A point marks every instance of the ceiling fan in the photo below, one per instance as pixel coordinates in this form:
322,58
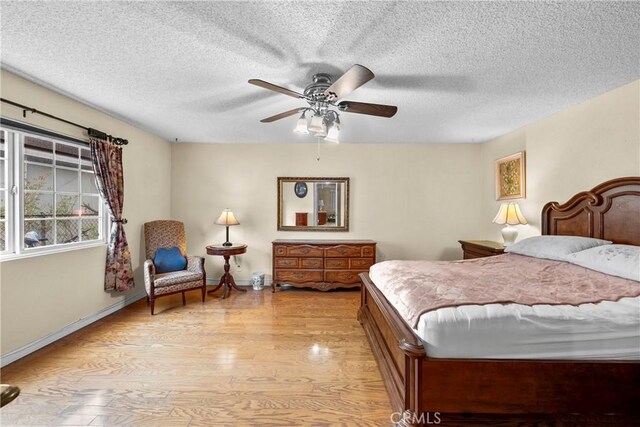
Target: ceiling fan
323,95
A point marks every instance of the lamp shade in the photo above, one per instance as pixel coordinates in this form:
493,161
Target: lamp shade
333,134
509,213
227,218
321,134
301,126
317,125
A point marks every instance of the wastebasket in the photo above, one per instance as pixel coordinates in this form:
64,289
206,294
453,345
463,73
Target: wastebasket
257,281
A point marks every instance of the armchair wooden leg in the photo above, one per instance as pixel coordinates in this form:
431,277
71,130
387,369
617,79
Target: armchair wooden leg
153,302
184,301
204,292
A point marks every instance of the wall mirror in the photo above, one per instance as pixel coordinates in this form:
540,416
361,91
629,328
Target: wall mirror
313,204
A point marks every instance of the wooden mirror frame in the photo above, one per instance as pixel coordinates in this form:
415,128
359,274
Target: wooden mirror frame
309,180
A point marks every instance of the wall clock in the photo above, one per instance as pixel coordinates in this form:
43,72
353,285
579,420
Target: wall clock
300,189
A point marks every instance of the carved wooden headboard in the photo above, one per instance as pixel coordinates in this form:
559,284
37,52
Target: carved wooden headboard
610,211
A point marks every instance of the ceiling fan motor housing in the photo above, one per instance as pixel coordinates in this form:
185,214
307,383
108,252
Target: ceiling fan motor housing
315,91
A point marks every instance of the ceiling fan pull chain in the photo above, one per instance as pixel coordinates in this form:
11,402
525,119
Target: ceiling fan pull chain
318,139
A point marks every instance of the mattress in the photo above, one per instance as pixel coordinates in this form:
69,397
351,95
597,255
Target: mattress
604,331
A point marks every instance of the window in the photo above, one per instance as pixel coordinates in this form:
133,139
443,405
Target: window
48,195
4,194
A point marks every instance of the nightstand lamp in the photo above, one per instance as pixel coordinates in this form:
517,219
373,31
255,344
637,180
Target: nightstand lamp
226,218
510,215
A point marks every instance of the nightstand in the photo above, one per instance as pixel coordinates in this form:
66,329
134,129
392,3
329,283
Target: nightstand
481,248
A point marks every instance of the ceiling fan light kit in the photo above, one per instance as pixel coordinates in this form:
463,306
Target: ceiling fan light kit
323,120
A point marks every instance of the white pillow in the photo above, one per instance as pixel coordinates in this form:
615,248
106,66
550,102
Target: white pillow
554,247
617,260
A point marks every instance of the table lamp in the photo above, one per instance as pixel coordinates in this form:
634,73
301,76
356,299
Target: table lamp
509,214
226,218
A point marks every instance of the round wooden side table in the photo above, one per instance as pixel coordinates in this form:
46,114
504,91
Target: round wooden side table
227,279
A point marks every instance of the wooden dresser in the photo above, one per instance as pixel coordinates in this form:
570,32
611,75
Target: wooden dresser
321,264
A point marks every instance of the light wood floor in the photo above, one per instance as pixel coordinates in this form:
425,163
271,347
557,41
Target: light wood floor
296,357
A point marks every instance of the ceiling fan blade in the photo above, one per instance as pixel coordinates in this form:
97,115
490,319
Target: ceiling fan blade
355,77
281,115
379,110
275,88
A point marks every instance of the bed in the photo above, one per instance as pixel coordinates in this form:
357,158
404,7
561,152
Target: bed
464,391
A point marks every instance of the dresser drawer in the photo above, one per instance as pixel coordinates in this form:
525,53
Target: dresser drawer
346,277
468,254
360,263
304,250
343,251
279,250
287,262
369,250
311,263
336,263
299,276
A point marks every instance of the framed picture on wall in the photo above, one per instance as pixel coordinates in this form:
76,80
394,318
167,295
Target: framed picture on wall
511,177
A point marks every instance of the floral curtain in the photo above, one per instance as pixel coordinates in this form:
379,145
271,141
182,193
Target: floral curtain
107,165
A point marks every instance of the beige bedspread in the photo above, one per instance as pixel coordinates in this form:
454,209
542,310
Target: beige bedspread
416,287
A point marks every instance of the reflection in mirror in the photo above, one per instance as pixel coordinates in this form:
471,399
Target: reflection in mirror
313,204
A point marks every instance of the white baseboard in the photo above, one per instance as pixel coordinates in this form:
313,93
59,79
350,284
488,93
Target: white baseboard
75,326
239,282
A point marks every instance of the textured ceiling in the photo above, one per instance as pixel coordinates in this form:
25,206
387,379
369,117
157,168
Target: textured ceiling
458,71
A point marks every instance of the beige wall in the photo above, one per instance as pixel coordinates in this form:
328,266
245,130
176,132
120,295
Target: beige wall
568,152
416,200
43,294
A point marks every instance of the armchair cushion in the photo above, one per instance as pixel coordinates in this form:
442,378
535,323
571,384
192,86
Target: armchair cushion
178,277
167,260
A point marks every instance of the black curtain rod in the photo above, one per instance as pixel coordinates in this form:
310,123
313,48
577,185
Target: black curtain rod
92,132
